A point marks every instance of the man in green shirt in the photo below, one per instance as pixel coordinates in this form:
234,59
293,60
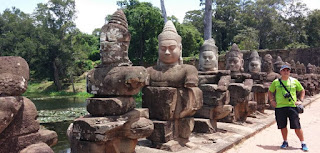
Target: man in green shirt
285,105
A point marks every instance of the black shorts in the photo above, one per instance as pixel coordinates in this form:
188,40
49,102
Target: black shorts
282,115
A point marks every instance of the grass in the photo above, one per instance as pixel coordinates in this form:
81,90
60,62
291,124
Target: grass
48,89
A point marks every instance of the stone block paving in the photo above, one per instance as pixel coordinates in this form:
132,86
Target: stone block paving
258,134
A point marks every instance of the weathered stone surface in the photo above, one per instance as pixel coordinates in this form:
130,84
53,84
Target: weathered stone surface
110,106
144,112
185,128
177,103
160,107
48,137
177,76
79,146
215,113
24,121
114,41
238,92
14,65
140,129
191,101
12,85
214,95
14,76
9,107
208,59
259,88
255,62
262,101
213,77
172,146
37,148
102,128
125,80
203,126
241,111
16,143
163,131
252,107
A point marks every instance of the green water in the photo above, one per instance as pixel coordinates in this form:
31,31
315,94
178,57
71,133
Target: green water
58,111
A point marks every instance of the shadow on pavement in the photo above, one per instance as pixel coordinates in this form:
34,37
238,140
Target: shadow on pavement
276,148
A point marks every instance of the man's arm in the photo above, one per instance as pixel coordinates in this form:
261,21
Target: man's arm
302,94
272,100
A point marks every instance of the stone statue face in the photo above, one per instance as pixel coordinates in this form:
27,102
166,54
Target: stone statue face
255,66
208,61
310,69
234,64
169,51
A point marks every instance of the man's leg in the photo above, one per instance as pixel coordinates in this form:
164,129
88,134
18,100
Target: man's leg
284,132
299,133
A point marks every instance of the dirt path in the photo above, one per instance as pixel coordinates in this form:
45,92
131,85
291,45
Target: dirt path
270,139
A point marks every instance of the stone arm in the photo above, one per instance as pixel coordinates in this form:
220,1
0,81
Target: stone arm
191,79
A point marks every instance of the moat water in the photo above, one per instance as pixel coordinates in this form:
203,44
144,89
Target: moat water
55,106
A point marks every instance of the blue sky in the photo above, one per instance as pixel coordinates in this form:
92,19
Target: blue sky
91,13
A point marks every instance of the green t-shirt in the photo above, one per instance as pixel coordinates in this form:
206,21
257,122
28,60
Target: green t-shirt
292,84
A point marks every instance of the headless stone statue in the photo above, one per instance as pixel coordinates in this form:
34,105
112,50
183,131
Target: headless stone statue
19,129
173,95
114,125
214,84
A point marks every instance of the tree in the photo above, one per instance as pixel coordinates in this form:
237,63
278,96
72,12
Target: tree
195,18
55,21
313,28
207,21
17,36
247,39
145,24
163,10
191,38
225,22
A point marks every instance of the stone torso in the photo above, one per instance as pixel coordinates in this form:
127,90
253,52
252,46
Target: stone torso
177,76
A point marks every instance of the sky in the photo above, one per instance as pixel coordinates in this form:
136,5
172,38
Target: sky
91,13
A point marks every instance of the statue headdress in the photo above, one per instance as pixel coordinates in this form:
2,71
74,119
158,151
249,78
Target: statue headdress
234,52
255,56
209,45
169,32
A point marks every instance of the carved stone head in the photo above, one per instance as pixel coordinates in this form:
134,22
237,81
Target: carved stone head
234,59
267,65
208,60
278,64
293,66
255,62
310,68
115,41
170,47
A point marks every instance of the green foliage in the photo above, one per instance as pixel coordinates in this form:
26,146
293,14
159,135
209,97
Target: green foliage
225,23
296,45
145,23
195,18
247,39
313,28
191,38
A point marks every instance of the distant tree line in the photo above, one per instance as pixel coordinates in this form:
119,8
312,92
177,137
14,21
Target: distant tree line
56,50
